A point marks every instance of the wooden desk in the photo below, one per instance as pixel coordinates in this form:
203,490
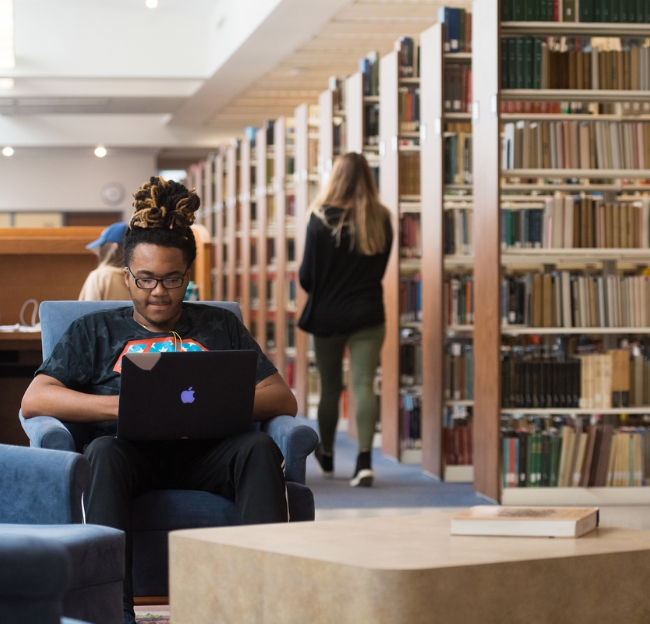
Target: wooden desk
20,356
405,570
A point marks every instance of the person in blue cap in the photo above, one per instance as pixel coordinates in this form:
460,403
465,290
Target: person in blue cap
107,280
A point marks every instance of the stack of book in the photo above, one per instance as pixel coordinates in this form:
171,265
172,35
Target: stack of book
409,170
458,88
459,371
459,231
458,446
409,109
369,68
411,419
575,11
458,154
410,299
410,236
459,300
408,57
410,360
458,31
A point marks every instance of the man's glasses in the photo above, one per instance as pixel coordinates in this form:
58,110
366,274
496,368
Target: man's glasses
149,283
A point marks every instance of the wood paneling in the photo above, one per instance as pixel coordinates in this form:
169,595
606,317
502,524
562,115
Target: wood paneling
279,179
231,220
262,224
389,192
354,113
431,180
487,335
301,167
245,220
325,136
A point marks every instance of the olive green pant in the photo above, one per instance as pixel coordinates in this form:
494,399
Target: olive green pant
365,346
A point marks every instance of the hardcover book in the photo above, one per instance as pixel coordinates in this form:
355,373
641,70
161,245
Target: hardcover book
525,521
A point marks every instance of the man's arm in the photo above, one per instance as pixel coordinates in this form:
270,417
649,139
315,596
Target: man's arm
47,396
273,398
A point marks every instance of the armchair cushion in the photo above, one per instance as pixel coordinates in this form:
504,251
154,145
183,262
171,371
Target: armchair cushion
95,553
41,487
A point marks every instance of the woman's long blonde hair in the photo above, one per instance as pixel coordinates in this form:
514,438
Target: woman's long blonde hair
352,187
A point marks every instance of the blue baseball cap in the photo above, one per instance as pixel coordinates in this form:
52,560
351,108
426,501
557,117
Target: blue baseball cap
112,234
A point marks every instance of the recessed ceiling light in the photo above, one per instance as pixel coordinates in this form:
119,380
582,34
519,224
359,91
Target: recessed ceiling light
151,4
100,151
297,71
8,151
6,83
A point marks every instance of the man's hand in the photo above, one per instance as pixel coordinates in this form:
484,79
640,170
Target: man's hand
273,398
47,396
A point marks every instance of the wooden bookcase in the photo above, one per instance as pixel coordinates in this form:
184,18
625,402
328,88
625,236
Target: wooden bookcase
491,263
230,223
399,203
244,229
436,335
218,230
279,191
261,232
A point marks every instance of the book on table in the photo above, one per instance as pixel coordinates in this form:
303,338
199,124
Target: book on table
525,521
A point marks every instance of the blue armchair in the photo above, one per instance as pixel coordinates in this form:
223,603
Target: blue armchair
156,513
50,563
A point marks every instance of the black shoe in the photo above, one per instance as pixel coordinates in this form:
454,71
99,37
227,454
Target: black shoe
325,462
129,617
363,475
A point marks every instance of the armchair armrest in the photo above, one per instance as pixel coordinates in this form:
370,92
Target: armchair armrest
47,432
40,486
296,441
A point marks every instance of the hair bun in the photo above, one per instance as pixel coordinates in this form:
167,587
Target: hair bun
166,204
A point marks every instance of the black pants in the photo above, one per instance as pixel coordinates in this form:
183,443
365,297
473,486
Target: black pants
248,469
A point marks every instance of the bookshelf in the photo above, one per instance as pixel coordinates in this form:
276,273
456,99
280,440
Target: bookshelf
282,144
508,356
261,241
230,223
218,226
443,99
398,155
306,185
244,229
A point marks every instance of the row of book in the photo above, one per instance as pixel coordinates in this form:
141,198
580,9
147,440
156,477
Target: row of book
540,384
410,236
458,29
411,420
621,11
458,158
409,108
408,171
369,69
574,63
458,231
576,145
408,57
410,299
457,97
562,299
459,300
371,124
457,443
578,221
459,371
600,456
410,359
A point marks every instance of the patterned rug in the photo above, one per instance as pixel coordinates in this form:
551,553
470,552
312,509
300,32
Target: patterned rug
151,618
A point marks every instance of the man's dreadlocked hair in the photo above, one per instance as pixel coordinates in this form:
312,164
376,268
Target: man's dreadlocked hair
164,212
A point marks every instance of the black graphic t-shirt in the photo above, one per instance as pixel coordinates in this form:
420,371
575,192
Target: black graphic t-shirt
88,357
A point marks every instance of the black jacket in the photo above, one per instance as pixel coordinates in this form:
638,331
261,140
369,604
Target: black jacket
345,291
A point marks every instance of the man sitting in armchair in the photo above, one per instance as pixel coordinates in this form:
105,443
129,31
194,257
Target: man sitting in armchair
80,382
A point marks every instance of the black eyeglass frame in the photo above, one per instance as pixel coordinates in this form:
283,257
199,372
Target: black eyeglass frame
158,281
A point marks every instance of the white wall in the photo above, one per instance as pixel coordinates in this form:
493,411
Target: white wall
70,179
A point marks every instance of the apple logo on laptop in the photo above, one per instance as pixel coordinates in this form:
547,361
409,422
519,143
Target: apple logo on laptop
187,396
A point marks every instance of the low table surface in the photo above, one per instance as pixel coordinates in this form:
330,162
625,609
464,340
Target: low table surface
414,542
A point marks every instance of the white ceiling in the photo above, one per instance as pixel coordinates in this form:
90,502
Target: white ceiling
188,73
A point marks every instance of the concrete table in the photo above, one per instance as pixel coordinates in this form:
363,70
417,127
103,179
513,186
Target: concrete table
405,570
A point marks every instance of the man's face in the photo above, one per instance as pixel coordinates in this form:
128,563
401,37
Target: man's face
157,309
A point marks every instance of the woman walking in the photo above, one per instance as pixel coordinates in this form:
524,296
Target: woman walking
349,237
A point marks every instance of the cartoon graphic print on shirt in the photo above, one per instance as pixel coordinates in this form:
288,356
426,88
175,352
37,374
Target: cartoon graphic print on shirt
157,345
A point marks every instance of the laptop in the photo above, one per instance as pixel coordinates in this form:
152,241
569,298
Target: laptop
186,396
